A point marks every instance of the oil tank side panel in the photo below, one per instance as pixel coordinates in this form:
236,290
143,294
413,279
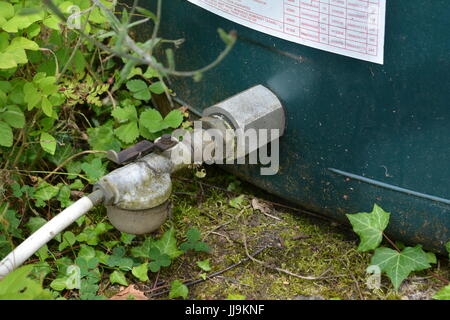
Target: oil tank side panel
389,123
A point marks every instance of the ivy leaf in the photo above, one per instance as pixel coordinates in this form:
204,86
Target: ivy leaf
204,265
141,272
64,197
118,277
159,259
6,134
398,265
143,250
48,143
69,240
168,244
94,169
237,202
35,223
370,227
91,234
139,89
443,294
178,289
193,242
118,259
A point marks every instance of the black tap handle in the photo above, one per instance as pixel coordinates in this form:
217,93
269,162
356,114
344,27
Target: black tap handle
136,151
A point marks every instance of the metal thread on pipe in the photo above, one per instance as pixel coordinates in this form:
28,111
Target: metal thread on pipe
47,232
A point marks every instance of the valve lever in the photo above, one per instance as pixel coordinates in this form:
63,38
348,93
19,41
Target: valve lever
136,151
141,149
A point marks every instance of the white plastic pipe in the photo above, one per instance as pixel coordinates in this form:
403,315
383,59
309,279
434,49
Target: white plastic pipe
44,234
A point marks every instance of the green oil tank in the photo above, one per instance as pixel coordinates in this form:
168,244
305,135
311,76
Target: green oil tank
364,124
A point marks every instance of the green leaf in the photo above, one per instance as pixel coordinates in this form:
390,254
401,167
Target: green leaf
370,227
193,242
127,238
48,143
398,265
94,169
173,119
45,192
19,55
118,277
178,289
6,10
431,258
43,253
64,197
59,284
17,286
204,265
127,113
139,89
157,87
168,244
152,120
128,133
86,252
118,259
159,259
237,202
141,272
19,21
7,60
35,223
69,240
31,95
102,138
6,135
443,294
14,117
22,43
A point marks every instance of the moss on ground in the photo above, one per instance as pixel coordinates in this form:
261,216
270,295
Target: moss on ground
293,241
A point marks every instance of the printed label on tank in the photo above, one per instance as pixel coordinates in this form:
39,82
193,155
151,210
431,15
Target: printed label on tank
354,28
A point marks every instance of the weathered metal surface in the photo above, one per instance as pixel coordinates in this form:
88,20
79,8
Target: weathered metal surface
388,123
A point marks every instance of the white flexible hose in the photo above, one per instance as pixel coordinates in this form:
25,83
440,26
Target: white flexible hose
43,235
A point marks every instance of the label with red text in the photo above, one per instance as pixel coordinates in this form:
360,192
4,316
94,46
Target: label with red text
353,28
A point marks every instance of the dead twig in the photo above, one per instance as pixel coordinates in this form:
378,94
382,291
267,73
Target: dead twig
209,277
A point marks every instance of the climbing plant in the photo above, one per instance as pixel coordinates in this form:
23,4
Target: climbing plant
74,83
397,262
